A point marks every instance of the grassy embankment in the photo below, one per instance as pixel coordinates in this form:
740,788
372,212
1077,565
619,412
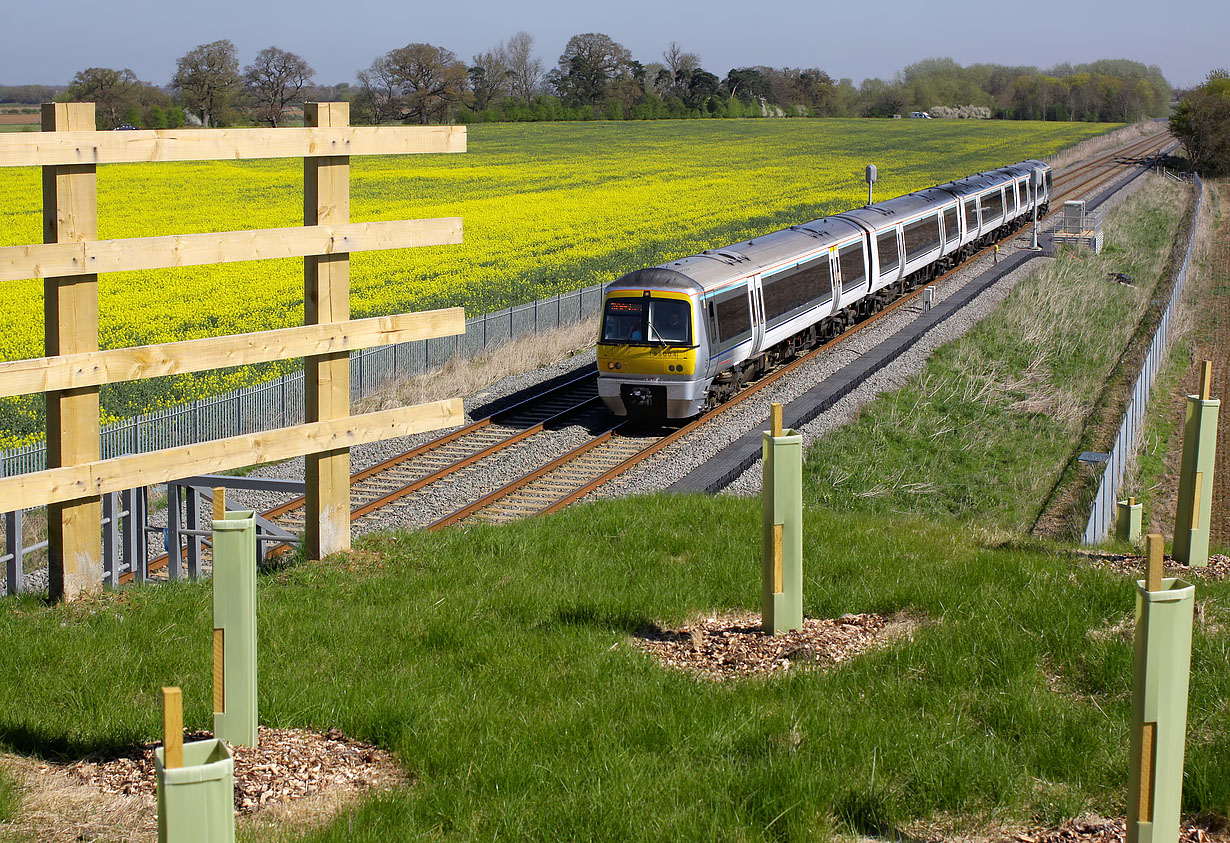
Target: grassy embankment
992,425
1162,435
497,663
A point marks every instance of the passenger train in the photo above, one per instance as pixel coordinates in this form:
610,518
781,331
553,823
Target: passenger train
681,338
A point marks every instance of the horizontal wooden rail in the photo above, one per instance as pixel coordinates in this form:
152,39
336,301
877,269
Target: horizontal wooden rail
57,485
43,260
72,371
40,149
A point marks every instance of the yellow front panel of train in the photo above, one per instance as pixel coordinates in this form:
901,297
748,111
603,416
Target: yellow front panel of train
632,357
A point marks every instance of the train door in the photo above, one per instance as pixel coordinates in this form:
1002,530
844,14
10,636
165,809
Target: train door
755,292
888,254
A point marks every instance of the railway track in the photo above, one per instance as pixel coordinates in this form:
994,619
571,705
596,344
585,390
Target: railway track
408,481
619,449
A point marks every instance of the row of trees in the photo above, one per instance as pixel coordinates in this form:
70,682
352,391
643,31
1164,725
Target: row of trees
597,77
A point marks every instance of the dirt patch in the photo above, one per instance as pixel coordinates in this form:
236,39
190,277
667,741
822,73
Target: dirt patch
20,119
733,645
1097,829
296,777
1133,565
1090,828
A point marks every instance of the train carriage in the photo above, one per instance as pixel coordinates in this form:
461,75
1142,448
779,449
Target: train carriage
679,338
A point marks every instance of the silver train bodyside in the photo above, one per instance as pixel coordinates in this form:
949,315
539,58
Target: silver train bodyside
756,303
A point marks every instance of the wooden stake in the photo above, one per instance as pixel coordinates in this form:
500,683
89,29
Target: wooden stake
219,503
1131,501
219,671
1154,562
777,558
172,728
70,314
1206,379
326,201
775,419
1196,490
1148,752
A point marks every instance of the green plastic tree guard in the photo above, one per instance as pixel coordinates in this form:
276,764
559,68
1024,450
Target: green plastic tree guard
1163,649
196,802
235,628
1195,505
1128,522
782,500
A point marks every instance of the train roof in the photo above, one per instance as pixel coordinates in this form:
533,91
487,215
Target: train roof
716,267
892,211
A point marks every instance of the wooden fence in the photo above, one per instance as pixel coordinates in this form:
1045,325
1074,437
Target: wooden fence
69,151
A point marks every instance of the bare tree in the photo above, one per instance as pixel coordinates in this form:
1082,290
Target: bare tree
379,89
677,60
207,77
681,65
274,79
489,77
524,69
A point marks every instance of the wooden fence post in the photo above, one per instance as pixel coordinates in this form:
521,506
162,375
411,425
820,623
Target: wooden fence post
70,307
326,201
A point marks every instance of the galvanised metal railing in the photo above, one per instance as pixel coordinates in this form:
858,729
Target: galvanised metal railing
1128,437
279,402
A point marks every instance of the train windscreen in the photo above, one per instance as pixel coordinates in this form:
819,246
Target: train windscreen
647,321
670,322
624,320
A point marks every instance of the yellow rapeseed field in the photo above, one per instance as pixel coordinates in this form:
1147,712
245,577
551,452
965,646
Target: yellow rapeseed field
547,207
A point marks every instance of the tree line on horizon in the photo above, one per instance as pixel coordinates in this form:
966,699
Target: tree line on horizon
595,78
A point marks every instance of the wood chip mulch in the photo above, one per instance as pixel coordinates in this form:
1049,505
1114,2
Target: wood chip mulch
1102,830
288,764
732,644
1134,566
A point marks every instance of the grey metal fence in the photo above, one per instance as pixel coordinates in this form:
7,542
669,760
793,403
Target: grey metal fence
1104,504
279,402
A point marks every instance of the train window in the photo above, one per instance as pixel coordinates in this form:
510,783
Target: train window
623,320
951,229
886,248
1010,196
992,206
1048,182
734,319
803,286
921,236
853,267
670,321
1024,194
971,215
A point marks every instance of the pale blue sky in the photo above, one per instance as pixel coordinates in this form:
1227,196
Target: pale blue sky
1186,38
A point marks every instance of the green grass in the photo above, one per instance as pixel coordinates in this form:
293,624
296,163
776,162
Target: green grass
496,664
991,423
20,127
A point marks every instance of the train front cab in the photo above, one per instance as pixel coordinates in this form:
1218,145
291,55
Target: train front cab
648,349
